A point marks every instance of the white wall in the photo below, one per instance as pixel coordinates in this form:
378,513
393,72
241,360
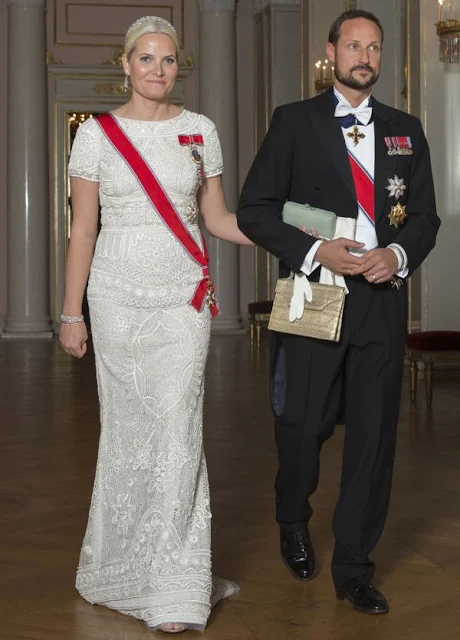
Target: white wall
320,16
391,15
441,118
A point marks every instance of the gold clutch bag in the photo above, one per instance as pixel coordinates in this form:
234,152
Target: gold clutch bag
322,317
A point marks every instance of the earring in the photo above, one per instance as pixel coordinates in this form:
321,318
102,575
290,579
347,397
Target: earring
126,84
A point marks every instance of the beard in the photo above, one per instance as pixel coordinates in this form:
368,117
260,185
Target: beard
348,80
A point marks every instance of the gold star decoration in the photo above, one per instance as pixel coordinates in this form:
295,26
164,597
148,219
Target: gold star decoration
397,215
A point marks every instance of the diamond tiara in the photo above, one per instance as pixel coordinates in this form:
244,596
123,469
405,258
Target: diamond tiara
161,24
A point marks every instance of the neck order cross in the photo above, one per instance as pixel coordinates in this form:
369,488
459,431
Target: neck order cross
356,135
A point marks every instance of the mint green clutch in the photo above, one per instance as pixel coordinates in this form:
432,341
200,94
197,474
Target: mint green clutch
323,221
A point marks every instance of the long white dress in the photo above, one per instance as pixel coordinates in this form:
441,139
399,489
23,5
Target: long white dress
146,551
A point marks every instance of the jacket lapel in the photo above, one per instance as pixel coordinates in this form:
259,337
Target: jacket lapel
330,134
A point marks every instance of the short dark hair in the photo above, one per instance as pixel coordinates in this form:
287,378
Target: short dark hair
334,32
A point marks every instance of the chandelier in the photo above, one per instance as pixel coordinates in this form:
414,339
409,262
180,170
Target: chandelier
448,28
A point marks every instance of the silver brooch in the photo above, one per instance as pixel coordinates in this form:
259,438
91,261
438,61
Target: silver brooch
396,187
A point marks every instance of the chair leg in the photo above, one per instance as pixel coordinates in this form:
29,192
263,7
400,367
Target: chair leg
429,383
413,380
251,332
258,333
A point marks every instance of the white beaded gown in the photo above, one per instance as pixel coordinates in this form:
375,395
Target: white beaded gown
146,551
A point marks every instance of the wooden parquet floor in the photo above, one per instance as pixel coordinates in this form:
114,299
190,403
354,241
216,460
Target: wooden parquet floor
48,446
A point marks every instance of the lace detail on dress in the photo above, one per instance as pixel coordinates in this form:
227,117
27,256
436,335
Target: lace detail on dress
143,267
123,201
85,157
146,551
147,546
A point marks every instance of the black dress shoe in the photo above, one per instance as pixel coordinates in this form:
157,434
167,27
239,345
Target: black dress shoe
363,596
298,554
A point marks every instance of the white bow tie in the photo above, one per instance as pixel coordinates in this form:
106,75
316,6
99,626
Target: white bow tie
363,114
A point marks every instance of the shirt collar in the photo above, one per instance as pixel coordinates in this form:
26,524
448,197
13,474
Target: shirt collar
341,99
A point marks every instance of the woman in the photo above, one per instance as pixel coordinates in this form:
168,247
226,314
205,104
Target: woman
146,550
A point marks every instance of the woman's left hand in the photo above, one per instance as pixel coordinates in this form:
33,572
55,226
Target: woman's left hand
310,230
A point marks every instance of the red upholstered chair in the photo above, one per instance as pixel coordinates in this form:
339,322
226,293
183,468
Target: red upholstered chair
430,347
259,315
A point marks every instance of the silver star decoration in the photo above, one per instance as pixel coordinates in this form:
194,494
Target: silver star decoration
396,187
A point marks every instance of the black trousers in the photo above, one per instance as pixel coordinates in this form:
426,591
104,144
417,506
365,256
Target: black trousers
311,380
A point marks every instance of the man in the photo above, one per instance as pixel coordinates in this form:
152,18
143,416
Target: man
345,152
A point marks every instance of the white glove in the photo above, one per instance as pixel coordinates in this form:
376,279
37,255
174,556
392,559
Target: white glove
301,292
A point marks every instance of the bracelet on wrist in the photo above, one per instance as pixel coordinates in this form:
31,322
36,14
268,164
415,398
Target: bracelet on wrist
72,319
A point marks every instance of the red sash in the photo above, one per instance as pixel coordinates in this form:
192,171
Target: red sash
364,186
204,293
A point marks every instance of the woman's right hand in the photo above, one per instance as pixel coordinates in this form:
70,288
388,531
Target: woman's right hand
73,337
310,230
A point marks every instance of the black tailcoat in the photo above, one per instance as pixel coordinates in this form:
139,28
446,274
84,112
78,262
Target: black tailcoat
304,159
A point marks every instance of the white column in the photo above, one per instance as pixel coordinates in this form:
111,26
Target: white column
28,216
218,101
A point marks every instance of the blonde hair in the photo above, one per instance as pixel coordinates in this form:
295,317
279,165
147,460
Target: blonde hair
149,24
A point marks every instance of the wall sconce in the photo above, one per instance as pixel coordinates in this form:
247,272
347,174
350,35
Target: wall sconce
324,75
448,28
